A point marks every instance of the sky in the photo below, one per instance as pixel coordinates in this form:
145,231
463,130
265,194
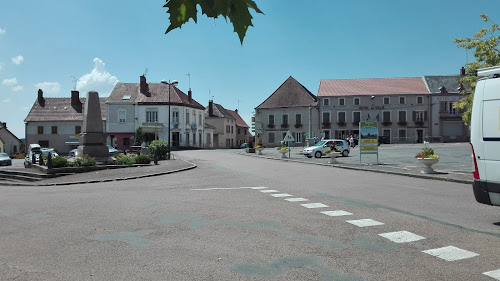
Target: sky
57,45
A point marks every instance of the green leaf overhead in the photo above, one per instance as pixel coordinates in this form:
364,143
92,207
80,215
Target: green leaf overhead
237,11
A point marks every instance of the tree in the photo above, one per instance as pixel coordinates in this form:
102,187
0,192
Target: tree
236,10
485,44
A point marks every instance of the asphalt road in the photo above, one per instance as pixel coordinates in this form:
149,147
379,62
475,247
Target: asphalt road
216,223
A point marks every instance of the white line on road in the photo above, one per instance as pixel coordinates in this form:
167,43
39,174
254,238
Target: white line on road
493,274
336,213
268,191
450,253
314,205
364,222
402,236
409,186
281,195
221,188
296,199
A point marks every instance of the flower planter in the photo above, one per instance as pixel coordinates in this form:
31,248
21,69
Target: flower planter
333,157
428,162
259,150
283,152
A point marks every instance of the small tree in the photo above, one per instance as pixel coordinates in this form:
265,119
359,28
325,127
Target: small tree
139,136
485,44
162,147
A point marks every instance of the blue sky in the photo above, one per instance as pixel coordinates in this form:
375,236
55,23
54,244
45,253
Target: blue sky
44,44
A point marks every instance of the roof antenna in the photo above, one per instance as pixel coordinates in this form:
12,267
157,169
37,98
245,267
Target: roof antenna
189,76
74,81
145,72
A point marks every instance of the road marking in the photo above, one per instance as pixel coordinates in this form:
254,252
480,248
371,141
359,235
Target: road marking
268,191
281,195
402,236
409,186
258,187
450,253
493,274
296,199
315,205
220,188
336,213
364,222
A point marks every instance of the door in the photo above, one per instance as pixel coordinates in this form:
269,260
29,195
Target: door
175,139
420,136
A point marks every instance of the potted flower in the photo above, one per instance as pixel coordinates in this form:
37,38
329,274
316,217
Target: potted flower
427,158
283,150
259,148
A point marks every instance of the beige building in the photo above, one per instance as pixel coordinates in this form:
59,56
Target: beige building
242,129
292,107
9,143
399,105
224,124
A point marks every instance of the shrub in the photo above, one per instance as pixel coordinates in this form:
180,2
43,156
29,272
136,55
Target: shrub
142,159
85,161
59,162
122,159
162,147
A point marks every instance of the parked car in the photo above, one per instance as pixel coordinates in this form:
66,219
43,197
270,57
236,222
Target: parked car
45,152
73,152
5,159
34,150
318,149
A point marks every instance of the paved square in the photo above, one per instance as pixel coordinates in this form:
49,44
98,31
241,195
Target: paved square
450,253
336,213
315,205
493,274
402,236
268,191
281,195
296,199
365,222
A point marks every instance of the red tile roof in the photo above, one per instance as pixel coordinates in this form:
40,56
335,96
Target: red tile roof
60,109
373,86
290,94
239,121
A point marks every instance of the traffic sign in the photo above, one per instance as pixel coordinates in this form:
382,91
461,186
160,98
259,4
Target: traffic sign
288,137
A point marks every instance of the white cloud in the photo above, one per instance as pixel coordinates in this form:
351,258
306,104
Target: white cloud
7,100
9,82
17,60
97,80
49,87
2,31
17,88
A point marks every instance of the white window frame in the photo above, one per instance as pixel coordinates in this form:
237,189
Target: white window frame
151,115
343,101
451,108
359,116
345,116
122,111
420,112
390,116
399,99
406,116
402,130
354,101
298,137
389,100
326,102
298,114
269,119
283,119
175,116
323,117
416,100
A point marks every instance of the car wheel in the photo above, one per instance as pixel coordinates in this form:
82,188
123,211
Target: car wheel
308,156
345,153
317,154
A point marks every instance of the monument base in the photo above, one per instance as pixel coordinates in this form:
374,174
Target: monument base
99,152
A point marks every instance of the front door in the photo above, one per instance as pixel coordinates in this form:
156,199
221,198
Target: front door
420,136
175,139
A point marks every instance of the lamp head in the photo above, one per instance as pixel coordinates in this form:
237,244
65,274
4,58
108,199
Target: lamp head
372,97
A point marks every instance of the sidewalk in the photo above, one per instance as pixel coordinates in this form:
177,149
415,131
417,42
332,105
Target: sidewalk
163,168
454,165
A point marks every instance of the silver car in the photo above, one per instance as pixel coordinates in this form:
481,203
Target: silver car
5,159
318,149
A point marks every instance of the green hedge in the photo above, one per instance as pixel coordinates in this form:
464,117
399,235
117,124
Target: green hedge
142,159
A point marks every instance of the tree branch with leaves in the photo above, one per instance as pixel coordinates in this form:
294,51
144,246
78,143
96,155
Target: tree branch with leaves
237,11
485,44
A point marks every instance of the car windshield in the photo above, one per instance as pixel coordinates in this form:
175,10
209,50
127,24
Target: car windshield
321,143
4,155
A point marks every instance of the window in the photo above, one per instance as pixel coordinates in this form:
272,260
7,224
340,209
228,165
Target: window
54,130
228,129
326,102
271,119
298,137
452,109
126,141
341,101
187,117
341,116
40,130
402,100
151,116
78,130
386,116
284,119
326,117
420,100
239,132
199,119
194,139
387,100
298,119
356,117
187,138
356,101
175,116
232,129
402,116
271,138
419,116
121,116
402,133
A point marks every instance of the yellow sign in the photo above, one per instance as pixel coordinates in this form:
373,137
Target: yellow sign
368,141
369,147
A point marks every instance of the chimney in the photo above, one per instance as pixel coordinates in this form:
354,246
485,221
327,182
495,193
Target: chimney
236,110
4,124
210,108
190,96
462,71
143,85
41,100
75,101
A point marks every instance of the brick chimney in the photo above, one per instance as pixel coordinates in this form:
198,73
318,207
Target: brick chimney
462,71
210,108
144,88
41,100
236,110
190,96
75,101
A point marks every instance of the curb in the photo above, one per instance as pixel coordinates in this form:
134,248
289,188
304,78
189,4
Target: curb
106,180
422,176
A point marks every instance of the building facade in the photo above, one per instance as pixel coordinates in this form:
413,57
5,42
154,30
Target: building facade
9,143
225,132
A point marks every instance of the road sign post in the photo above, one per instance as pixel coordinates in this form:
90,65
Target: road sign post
288,138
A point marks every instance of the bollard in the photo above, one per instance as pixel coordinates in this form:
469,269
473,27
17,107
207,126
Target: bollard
49,161
41,159
155,158
33,158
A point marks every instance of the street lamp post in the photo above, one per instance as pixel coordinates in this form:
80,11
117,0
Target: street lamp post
169,84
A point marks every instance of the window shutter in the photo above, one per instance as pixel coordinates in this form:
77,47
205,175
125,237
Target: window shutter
442,106
414,115
425,115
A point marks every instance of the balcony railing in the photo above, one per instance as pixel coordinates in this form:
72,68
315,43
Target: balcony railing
284,126
270,126
326,124
341,124
298,125
386,123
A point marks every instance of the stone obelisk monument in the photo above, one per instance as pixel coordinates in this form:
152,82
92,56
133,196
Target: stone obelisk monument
92,137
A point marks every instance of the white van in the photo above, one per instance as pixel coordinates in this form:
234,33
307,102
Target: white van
485,136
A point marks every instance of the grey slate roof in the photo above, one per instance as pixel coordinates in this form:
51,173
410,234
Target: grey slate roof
435,82
60,109
218,111
290,94
158,93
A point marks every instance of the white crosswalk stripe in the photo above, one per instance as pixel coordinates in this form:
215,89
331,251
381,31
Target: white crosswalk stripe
315,205
450,253
296,199
493,274
336,213
268,191
402,236
364,222
281,195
